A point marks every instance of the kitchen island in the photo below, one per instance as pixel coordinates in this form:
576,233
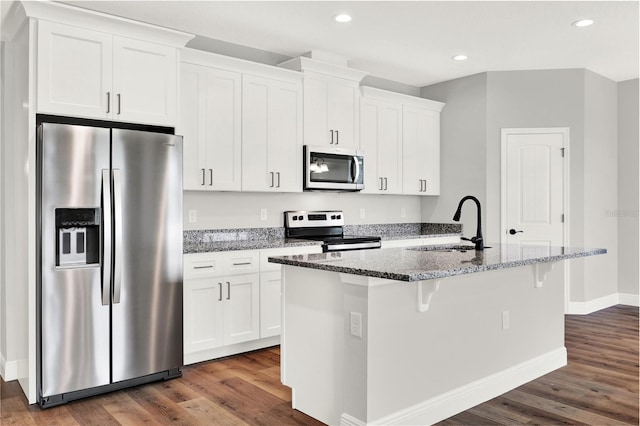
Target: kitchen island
415,335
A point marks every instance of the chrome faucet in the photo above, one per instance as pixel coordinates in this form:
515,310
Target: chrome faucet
477,240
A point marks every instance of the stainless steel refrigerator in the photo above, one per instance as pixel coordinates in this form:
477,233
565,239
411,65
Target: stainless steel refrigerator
109,282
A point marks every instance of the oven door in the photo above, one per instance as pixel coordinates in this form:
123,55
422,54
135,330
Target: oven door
333,169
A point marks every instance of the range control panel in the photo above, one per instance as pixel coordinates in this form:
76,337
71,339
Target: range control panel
313,219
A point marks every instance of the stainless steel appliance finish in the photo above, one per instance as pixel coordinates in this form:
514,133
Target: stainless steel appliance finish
325,226
110,259
333,169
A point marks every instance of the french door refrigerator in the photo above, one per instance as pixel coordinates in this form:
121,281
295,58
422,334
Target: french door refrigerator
109,282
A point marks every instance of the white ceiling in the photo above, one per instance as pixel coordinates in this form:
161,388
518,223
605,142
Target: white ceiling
413,42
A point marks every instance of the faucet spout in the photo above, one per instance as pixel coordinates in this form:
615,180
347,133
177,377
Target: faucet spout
477,240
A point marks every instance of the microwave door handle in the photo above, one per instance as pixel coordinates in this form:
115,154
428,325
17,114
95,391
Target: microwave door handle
355,169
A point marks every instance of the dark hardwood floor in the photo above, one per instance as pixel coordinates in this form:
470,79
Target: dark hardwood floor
598,387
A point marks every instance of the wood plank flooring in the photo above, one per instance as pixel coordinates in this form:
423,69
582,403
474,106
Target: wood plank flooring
598,387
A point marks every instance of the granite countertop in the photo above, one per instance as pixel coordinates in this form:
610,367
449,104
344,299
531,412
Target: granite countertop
425,263
206,241
214,246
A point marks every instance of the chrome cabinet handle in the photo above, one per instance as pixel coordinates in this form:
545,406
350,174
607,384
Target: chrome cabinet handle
106,236
203,267
380,188
203,172
278,179
220,289
331,137
118,96
385,184
271,185
108,102
210,177
228,290
337,137
242,264
117,224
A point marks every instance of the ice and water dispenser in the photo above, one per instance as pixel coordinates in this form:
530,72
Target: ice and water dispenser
77,237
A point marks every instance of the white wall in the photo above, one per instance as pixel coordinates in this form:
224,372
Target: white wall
628,187
600,185
462,150
220,210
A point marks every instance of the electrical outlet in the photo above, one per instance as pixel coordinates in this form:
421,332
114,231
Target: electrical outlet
362,213
505,320
193,216
355,324
263,214
403,212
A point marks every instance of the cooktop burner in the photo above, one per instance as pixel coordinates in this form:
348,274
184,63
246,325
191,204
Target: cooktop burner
326,226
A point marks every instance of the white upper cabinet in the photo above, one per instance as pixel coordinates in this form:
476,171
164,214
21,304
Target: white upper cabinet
381,142
400,137
331,102
93,65
421,151
210,123
145,82
271,135
331,111
75,68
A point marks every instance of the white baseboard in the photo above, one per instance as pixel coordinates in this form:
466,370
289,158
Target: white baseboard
590,306
629,299
8,369
470,395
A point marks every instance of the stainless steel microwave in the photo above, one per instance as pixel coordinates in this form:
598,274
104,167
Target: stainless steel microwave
333,169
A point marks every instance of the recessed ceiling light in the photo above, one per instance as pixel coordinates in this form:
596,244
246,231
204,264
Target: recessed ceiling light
460,58
583,23
342,18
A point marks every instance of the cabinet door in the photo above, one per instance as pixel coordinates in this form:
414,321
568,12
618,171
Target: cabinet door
421,151
74,71
316,108
343,114
270,303
241,308
369,112
271,135
381,142
144,82
203,314
390,147
285,135
192,126
223,130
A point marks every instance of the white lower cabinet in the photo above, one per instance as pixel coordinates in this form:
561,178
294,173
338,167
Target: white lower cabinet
221,300
232,301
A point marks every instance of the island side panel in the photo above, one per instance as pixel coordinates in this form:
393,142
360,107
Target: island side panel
414,358
312,352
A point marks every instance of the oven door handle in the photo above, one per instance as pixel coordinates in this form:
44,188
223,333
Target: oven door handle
355,169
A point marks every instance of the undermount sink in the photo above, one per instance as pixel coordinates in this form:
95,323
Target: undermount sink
447,249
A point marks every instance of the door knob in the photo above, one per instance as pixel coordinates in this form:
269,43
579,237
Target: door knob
513,231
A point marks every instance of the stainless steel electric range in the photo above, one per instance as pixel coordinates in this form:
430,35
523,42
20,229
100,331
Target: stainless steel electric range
325,226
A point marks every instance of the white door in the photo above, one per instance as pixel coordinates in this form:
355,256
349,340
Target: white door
343,113
270,303
533,186
203,314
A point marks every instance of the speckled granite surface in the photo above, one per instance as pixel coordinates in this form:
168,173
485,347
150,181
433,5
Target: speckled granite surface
406,264
213,240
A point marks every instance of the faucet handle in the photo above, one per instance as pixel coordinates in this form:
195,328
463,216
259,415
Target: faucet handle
472,239
466,239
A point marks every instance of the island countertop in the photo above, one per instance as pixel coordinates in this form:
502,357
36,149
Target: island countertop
432,262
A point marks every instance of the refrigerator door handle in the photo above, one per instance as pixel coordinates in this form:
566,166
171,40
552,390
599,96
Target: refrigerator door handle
106,236
117,225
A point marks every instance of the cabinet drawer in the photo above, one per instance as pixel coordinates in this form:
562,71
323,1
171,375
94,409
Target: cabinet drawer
203,265
241,262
